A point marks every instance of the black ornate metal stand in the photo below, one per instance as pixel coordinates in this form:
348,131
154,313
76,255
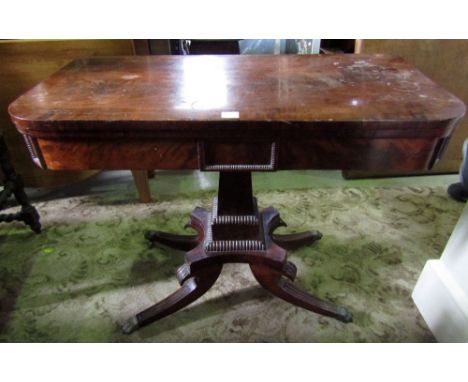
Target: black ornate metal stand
13,185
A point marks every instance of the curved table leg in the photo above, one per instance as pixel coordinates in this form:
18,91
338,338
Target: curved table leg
191,289
182,242
282,287
296,240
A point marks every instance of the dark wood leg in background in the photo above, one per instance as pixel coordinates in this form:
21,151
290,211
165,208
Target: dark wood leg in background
235,231
140,178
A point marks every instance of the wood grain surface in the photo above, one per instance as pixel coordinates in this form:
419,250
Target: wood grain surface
320,111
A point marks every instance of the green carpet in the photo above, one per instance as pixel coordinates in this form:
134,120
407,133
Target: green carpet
91,269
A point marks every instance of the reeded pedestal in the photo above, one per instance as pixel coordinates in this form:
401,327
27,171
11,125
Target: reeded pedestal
234,231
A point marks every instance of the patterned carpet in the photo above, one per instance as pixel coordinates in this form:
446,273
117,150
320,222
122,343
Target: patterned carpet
91,269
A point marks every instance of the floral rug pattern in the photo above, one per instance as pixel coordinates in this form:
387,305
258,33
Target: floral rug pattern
91,269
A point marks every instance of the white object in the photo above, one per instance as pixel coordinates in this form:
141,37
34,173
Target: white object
230,114
441,293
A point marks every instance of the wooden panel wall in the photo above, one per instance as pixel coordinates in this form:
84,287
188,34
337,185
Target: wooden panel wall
23,63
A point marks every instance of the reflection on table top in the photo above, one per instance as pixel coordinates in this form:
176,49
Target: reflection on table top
284,89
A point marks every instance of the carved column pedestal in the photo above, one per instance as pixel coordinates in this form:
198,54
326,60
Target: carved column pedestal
234,231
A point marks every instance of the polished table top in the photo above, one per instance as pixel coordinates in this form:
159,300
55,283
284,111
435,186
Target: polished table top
327,99
188,89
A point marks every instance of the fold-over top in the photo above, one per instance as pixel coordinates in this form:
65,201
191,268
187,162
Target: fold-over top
176,93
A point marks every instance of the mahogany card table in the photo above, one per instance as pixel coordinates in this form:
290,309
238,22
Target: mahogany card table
236,115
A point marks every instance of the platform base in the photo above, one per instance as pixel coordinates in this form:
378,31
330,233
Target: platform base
234,239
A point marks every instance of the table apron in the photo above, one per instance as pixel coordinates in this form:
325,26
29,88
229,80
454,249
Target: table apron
227,155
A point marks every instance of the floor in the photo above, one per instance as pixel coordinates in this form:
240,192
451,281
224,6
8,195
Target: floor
91,268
